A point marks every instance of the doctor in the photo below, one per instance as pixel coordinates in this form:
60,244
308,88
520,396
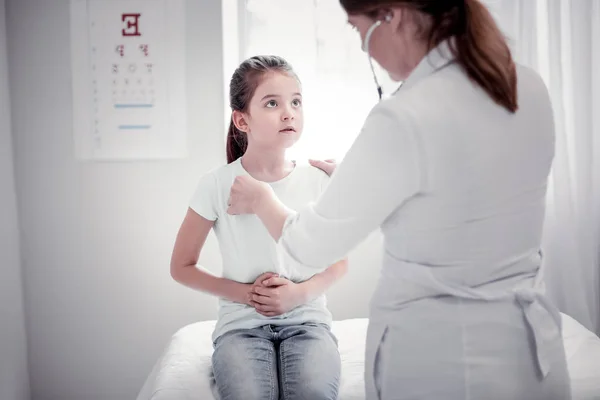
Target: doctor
453,168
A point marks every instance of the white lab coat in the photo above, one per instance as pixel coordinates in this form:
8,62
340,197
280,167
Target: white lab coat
457,185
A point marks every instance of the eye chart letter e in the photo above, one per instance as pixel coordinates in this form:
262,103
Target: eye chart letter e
128,79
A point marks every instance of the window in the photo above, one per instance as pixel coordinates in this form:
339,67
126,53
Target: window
314,36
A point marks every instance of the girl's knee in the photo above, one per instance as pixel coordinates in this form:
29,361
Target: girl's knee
312,390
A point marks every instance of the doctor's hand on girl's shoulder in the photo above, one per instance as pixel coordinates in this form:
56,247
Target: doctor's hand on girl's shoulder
275,296
327,166
246,194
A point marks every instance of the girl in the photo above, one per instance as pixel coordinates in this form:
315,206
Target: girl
272,336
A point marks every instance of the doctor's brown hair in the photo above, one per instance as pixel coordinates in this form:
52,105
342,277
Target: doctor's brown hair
242,86
479,45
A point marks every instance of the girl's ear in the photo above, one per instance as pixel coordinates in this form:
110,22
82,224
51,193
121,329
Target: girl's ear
239,120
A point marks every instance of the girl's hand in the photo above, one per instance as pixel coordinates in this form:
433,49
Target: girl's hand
246,194
276,296
257,282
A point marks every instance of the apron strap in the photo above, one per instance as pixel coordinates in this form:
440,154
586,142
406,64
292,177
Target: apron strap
543,325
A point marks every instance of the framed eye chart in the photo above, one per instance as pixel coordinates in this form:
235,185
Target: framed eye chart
128,66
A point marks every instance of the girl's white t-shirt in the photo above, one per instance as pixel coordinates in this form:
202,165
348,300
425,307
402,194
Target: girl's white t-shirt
247,249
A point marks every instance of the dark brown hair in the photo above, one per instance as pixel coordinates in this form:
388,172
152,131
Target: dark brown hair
479,45
242,86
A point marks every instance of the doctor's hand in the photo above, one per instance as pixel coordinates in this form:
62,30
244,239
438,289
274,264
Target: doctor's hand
245,195
327,166
276,296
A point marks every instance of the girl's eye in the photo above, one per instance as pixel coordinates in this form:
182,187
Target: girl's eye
296,102
271,104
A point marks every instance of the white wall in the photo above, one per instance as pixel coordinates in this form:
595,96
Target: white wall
14,378
97,237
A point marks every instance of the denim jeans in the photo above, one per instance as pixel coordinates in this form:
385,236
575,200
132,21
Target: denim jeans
298,362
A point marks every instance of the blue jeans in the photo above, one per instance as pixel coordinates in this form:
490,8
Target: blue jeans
299,362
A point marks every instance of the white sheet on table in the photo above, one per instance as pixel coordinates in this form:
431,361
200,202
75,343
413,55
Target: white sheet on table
183,371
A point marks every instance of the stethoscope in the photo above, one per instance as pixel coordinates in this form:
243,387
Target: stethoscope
365,48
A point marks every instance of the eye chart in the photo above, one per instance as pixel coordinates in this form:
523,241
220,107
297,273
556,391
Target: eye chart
128,79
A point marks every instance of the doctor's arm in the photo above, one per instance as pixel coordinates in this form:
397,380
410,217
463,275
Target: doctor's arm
381,171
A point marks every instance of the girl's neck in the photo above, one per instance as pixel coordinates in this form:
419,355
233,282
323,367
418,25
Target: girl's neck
266,165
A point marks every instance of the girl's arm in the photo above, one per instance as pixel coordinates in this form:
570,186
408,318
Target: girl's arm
275,296
190,239
321,282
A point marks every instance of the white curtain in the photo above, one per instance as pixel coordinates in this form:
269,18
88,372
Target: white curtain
561,40
558,38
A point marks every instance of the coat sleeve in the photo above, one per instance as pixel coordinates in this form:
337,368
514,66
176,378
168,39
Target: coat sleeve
381,171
